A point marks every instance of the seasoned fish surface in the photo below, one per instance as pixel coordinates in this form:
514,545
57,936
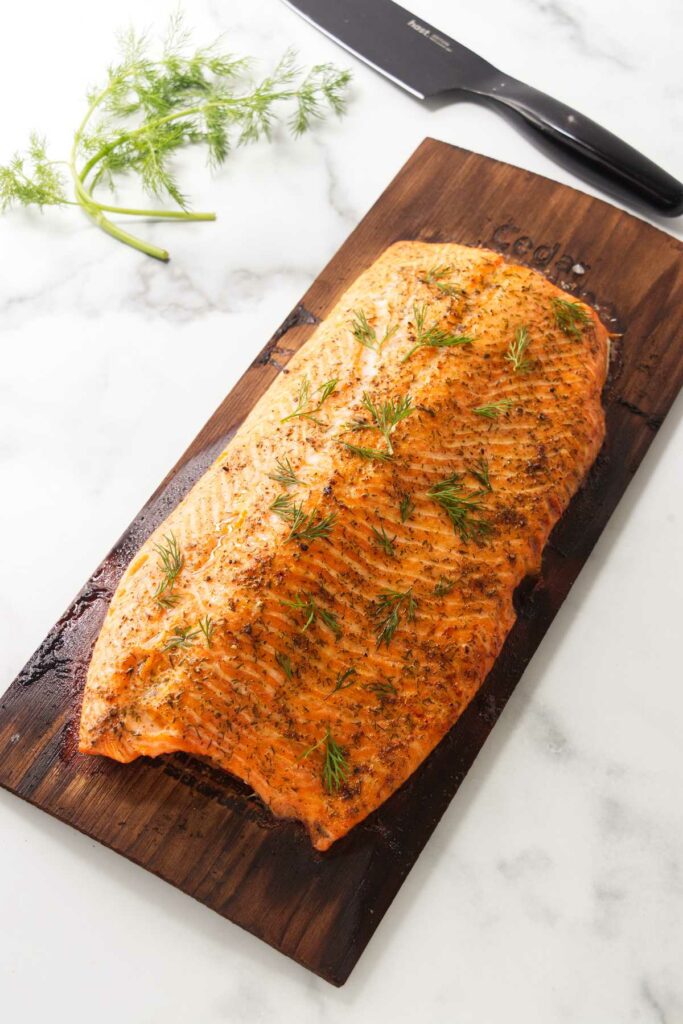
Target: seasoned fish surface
322,606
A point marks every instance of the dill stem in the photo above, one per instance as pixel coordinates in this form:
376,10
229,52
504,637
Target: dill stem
170,214
124,236
412,351
91,208
90,205
94,209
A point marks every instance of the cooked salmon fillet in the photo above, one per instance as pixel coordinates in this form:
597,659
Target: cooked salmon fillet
328,598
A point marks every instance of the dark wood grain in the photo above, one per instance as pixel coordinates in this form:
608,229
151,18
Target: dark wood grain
205,832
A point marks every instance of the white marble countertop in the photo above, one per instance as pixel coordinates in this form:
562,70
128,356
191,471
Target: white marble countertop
552,891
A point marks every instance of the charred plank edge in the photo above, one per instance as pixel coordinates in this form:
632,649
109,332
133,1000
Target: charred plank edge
298,317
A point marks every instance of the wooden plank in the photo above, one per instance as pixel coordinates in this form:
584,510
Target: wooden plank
204,831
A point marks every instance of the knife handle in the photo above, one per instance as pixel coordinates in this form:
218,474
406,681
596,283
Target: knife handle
589,149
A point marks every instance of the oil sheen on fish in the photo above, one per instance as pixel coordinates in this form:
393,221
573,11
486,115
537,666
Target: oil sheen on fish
327,599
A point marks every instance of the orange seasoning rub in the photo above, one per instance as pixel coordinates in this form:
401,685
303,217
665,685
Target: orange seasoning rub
322,606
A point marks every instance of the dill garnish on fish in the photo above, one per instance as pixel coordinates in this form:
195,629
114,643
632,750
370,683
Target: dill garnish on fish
436,276
284,473
335,764
515,354
570,317
307,406
432,336
493,410
171,562
304,525
390,607
463,507
311,611
365,333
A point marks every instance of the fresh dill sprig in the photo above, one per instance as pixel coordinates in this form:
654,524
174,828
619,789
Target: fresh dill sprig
406,507
312,611
570,317
285,664
368,453
480,472
384,418
463,507
364,333
171,562
391,604
443,586
433,336
181,639
285,475
356,424
435,276
385,689
313,526
326,390
308,607
207,627
152,105
306,405
301,400
517,349
388,415
330,620
335,764
283,506
344,680
493,410
32,180
384,540
304,525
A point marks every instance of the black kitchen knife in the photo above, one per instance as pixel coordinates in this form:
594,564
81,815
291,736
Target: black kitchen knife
428,63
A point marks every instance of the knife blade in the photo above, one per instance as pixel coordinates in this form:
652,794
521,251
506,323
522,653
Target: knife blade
428,63
410,52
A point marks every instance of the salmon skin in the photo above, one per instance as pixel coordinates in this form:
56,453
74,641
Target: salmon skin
325,602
